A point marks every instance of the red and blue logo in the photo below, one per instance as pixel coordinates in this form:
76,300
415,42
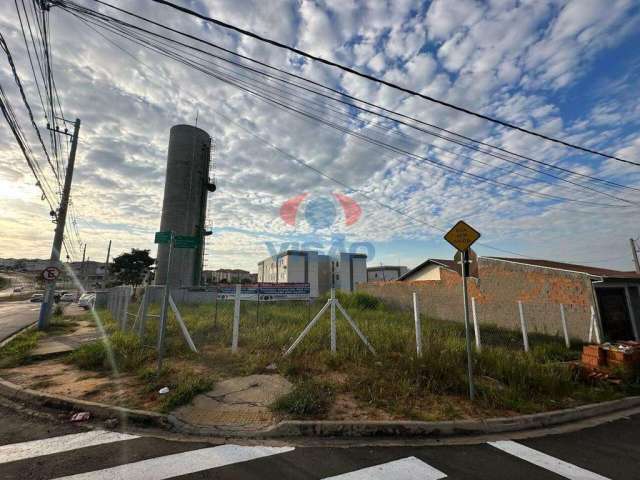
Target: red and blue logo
319,211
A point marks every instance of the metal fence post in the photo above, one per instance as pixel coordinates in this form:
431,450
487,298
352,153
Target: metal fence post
523,324
476,327
565,332
416,318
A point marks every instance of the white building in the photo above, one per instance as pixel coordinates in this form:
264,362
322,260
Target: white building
385,273
349,270
296,266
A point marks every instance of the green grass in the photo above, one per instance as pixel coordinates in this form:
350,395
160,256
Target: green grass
128,352
187,387
395,380
4,283
17,350
309,398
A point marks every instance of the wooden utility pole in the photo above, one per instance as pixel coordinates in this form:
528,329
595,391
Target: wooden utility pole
61,219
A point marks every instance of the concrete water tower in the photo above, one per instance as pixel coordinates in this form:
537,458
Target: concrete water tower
185,203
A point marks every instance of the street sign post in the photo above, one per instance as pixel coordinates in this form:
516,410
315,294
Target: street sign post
49,274
462,236
164,311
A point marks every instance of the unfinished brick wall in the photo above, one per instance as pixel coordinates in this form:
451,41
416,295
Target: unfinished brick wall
496,292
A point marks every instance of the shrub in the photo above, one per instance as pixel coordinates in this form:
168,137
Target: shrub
308,398
90,356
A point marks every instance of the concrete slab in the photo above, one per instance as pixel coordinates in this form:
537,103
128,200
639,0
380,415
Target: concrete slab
59,344
239,403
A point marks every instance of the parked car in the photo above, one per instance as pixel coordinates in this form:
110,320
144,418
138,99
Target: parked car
17,289
36,297
87,301
67,297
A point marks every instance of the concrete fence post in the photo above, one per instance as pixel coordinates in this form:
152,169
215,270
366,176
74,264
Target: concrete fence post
416,317
476,326
523,325
125,308
236,320
334,347
594,327
565,331
144,309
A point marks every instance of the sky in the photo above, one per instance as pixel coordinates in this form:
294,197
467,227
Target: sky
568,69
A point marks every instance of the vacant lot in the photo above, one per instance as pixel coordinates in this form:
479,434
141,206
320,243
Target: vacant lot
394,383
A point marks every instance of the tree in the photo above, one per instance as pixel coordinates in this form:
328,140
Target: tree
130,268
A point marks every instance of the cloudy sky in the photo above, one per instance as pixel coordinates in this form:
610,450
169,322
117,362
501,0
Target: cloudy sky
569,69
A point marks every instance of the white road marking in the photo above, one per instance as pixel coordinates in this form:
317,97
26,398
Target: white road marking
180,463
64,443
409,468
555,465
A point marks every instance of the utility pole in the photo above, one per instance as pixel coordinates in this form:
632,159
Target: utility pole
48,300
634,252
82,275
105,277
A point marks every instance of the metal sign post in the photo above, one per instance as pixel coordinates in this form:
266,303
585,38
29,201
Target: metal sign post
462,236
165,301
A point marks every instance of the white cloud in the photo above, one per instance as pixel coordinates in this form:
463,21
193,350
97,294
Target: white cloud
498,57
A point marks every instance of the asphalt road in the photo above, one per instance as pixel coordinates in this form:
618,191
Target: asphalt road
16,315
33,448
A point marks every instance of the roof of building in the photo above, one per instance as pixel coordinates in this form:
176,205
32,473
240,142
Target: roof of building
448,264
572,267
384,267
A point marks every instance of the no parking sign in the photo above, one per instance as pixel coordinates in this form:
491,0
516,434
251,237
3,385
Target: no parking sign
50,273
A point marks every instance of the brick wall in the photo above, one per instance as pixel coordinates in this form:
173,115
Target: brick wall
496,292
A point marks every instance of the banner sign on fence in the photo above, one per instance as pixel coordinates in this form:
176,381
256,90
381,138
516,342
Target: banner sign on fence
266,292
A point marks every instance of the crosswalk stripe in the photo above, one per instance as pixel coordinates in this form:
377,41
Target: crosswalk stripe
409,468
180,463
64,443
555,465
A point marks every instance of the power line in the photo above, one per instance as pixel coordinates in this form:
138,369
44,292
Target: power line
348,131
67,4
390,84
335,180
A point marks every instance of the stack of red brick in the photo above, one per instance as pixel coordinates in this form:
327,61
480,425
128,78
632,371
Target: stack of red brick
621,354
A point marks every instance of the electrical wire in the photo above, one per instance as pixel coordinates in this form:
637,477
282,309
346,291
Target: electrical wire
387,83
341,128
85,10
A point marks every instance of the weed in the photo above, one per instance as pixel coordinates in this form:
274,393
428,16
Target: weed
188,386
127,350
308,398
17,350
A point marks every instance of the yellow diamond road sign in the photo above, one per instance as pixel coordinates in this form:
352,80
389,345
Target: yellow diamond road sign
462,236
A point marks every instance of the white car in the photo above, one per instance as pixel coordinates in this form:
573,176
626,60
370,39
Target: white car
36,297
87,301
67,297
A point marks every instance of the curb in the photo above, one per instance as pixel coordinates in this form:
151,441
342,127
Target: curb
100,411
416,429
324,428
17,333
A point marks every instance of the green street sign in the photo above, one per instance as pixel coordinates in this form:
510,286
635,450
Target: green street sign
163,237
185,241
